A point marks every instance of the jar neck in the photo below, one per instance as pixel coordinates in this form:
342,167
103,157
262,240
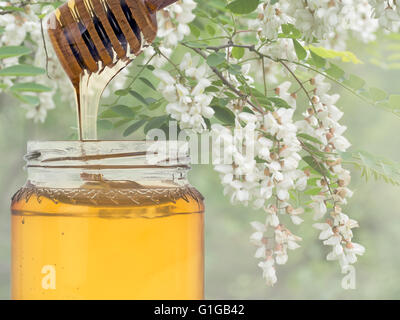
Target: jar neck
116,164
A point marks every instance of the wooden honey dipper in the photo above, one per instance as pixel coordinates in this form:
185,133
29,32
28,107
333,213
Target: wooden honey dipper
89,35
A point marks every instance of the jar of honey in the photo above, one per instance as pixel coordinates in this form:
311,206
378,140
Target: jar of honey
103,220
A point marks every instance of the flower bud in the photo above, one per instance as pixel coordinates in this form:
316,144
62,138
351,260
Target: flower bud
349,245
315,99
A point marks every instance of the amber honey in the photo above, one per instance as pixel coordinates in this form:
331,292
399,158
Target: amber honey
73,251
101,238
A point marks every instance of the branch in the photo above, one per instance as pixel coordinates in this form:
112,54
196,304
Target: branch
301,85
315,112
319,165
21,5
222,78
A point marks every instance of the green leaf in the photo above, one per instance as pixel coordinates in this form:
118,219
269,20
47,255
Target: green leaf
345,56
108,114
194,30
133,127
279,103
289,31
150,67
248,110
29,87
355,82
374,166
377,94
314,151
313,181
334,71
28,99
151,100
300,51
104,124
223,114
308,137
238,52
155,123
138,96
123,111
12,8
243,6
120,123
21,70
319,167
317,60
155,105
258,97
235,69
211,89
121,92
210,29
148,83
13,51
313,191
215,59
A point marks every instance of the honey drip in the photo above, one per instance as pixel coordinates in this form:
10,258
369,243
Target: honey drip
94,40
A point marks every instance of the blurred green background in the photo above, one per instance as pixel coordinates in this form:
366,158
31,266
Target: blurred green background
231,270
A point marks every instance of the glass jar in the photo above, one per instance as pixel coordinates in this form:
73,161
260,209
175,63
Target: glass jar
107,220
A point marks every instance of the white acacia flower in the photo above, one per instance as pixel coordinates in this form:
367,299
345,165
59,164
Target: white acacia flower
281,256
283,92
351,251
257,236
319,206
190,106
326,230
341,143
341,258
269,273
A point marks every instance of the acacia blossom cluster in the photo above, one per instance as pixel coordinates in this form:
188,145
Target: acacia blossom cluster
17,27
260,163
173,26
187,103
273,138
388,13
329,20
321,121
259,166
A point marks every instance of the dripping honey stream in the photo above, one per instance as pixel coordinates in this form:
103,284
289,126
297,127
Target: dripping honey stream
94,40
